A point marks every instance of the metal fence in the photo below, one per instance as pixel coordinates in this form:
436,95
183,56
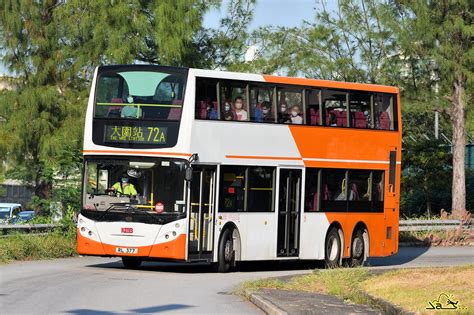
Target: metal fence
432,225
9,229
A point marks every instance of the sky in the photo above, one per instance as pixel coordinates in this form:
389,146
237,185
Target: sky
288,13
270,12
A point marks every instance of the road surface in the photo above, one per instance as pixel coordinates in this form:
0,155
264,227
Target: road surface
101,286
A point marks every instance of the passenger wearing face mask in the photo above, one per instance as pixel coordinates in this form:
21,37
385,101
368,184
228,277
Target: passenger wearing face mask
130,111
296,115
240,112
228,114
283,116
266,112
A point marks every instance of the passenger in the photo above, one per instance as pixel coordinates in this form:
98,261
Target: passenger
211,111
283,116
296,115
124,187
130,111
240,112
267,112
228,114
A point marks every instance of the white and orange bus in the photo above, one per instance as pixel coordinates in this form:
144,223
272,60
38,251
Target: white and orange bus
225,167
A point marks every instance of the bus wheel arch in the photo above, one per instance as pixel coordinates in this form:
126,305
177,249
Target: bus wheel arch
333,254
360,245
229,247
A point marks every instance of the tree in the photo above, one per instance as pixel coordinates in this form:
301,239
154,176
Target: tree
443,31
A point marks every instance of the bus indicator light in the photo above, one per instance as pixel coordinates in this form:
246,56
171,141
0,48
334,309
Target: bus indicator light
159,207
231,190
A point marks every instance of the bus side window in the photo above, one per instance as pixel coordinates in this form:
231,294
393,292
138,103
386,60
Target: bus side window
261,104
313,194
313,112
236,93
206,99
292,100
384,111
334,190
360,109
377,191
335,108
232,192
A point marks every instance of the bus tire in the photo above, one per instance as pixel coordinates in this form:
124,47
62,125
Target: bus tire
358,254
332,253
131,262
226,253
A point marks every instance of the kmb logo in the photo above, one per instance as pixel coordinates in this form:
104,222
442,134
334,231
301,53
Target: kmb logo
127,230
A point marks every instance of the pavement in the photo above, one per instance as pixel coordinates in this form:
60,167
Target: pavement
93,285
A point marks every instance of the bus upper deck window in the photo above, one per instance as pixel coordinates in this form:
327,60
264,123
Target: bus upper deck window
206,99
335,108
234,94
261,104
290,106
384,109
360,109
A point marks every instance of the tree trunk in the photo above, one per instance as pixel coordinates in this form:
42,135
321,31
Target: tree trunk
459,148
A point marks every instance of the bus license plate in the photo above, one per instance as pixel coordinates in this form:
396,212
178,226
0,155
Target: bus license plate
126,250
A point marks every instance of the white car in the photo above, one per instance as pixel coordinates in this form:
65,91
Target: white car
8,211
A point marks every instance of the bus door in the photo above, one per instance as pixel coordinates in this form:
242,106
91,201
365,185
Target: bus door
289,207
201,218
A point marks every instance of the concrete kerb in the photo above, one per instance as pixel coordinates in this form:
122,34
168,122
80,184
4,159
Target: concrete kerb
264,304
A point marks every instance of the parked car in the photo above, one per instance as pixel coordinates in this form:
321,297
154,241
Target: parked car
8,211
22,217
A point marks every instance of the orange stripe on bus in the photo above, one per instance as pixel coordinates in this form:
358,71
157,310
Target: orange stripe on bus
331,84
263,157
137,152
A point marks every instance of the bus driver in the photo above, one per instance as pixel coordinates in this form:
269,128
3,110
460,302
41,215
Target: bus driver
124,187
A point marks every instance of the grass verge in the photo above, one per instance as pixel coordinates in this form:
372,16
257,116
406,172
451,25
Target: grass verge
411,289
56,244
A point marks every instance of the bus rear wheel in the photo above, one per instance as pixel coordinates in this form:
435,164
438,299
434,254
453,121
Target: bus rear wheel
333,249
226,254
131,262
358,254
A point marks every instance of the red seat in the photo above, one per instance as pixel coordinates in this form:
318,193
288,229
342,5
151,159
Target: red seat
384,121
314,116
359,120
341,118
354,193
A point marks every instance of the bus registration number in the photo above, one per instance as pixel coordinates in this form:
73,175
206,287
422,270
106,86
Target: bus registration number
126,250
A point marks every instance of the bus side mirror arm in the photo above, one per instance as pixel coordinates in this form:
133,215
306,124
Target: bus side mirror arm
188,175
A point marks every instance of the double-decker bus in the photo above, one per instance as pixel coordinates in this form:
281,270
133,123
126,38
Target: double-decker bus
197,165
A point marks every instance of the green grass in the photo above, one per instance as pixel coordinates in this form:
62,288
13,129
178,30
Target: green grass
56,244
343,283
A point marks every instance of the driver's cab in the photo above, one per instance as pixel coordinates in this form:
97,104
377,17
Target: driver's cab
158,185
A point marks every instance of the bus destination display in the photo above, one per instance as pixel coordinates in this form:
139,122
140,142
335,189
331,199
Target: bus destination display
135,134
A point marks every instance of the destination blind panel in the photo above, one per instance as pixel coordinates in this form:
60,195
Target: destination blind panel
135,134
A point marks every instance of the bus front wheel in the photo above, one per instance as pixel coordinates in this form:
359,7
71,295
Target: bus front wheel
131,263
333,249
226,254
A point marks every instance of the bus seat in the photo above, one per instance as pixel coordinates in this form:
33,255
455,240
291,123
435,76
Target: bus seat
114,111
174,114
341,118
314,116
384,121
359,120
328,116
326,192
354,193
203,110
315,202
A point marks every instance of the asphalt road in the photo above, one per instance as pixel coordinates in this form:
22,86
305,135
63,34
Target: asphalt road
101,286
